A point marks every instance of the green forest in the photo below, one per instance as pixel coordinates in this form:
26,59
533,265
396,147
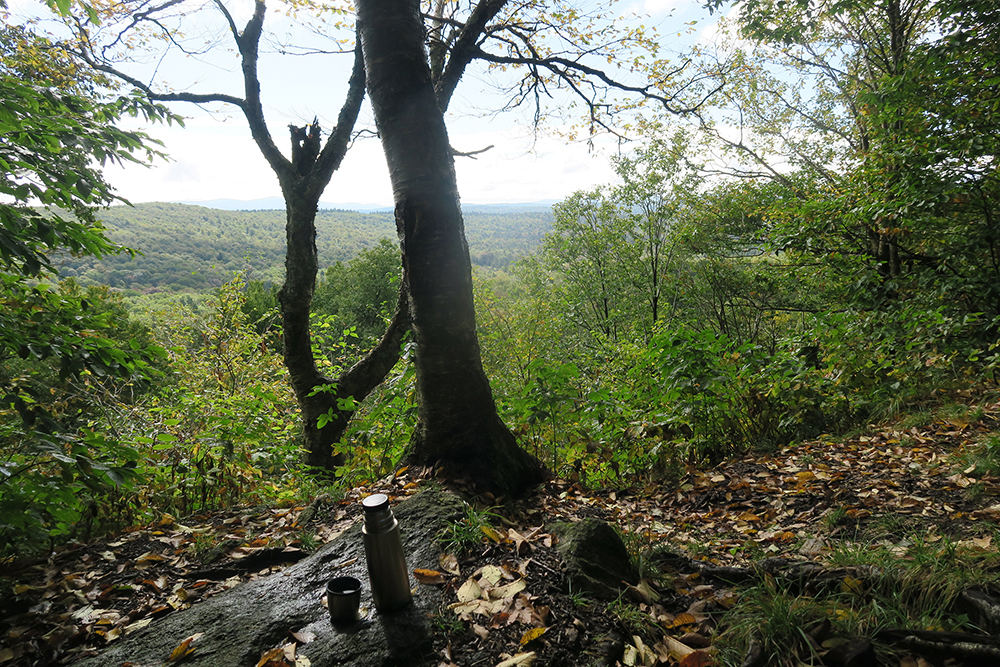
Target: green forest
192,248
820,287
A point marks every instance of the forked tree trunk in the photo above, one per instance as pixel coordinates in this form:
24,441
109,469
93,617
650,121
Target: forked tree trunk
303,180
458,428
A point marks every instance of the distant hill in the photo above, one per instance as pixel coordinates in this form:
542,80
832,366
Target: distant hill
278,204
195,248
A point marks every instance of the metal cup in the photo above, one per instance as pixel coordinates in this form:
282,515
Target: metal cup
343,599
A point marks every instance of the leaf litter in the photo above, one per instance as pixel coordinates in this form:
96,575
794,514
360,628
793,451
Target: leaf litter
507,595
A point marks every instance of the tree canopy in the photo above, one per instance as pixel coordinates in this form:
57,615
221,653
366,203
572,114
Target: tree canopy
55,135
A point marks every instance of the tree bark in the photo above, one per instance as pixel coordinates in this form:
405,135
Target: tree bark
302,180
458,428
316,393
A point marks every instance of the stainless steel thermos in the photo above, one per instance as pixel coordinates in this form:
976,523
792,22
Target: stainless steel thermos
387,570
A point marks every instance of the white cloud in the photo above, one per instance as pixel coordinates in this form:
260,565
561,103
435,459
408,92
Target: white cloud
212,160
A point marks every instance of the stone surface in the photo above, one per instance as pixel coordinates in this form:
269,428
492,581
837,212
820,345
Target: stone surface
595,556
242,623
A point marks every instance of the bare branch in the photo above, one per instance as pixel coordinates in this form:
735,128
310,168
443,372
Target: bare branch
194,98
562,67
340,137
465,49
471,154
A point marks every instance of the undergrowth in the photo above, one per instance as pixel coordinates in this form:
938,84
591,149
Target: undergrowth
913,584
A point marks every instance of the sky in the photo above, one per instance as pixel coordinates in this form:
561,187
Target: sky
213,156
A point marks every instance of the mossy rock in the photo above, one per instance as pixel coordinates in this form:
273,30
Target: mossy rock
596,559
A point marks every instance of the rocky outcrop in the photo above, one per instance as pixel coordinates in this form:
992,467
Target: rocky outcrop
238,626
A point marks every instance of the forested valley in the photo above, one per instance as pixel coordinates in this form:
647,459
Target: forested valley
769,358
193,248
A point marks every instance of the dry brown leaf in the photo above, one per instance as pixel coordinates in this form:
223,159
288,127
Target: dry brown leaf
683,619
677,649
270,655
539,615
521,545
148,559
519,660
304,637
698,659
449,564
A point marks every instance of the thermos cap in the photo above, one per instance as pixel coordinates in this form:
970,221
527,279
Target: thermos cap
375,502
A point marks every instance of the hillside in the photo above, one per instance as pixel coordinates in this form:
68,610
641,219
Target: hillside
186,247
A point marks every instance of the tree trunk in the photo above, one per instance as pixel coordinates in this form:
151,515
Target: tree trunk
302,183
316,393
458,428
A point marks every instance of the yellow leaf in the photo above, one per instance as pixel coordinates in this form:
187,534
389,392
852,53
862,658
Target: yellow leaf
491,533
184,649
428,576
532,634
851,585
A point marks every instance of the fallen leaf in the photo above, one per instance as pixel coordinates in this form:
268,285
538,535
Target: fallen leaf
271,656
509,590
851,585
304,636
138,625
532,634
492,533
470,590
148,559
491,574
676,649
683,619
429,577
184,649
518,660
521,545
697,659
982,542
449,564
